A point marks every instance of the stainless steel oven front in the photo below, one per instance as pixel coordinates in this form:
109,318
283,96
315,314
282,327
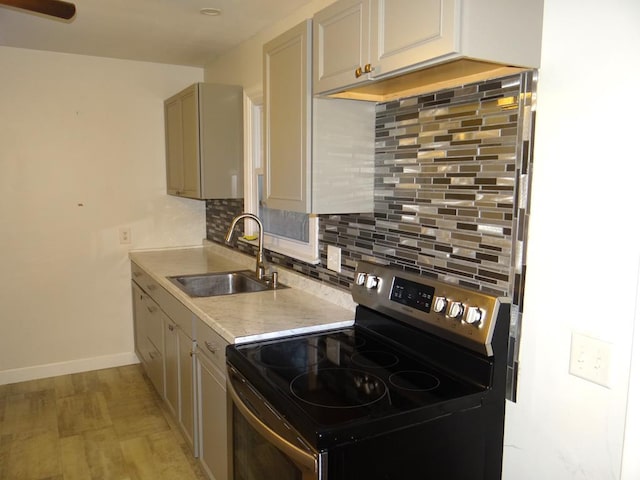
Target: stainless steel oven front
262,444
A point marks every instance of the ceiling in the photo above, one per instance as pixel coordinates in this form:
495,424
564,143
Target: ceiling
161,31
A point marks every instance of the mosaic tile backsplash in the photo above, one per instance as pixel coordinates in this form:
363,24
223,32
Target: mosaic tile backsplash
451,194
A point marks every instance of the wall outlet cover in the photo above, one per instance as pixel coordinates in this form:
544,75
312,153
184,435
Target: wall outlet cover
590,359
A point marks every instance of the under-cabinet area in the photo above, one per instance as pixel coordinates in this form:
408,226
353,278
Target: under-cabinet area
181,340
359,42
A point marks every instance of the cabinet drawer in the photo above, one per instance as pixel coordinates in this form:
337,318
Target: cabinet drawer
154,322
155,368
211,345
169,304
142,278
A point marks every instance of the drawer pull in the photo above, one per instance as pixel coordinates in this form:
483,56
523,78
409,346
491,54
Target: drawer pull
211,347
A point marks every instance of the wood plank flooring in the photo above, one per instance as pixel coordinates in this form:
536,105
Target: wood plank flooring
102,425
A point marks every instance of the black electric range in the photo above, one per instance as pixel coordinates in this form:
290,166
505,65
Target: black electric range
417,383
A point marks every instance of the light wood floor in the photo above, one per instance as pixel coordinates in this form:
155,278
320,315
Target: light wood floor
103,425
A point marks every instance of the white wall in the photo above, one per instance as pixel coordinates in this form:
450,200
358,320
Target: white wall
81,154
584,246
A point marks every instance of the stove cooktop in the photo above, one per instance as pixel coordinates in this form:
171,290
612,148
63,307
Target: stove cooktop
350,383
419,350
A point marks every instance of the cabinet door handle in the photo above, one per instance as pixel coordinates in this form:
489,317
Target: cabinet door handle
211,347
358,72
171,327
367,68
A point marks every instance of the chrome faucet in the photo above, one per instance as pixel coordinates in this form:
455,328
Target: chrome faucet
260,270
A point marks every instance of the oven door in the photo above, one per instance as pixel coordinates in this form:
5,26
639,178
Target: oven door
260,441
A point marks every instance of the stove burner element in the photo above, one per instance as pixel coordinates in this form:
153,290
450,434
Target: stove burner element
338,388
414,380
291,355
374,359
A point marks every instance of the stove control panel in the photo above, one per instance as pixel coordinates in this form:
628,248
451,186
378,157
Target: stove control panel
461,315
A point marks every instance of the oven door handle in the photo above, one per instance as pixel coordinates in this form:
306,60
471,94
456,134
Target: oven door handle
298,455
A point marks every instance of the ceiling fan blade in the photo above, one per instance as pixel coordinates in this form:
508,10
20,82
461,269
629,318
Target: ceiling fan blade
55,8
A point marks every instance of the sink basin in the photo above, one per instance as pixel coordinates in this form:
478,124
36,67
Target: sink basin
226,283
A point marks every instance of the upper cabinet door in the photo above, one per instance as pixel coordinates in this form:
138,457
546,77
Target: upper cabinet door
407,32
203,129
182,138
287,104
341,37
191,144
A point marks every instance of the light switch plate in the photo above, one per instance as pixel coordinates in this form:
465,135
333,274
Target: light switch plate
590,359
334,258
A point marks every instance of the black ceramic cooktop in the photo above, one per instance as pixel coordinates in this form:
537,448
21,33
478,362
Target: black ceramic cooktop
333,380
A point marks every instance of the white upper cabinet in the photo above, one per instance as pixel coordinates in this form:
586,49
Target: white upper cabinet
407,32
203,134
287,105
341,44
318,153
358,41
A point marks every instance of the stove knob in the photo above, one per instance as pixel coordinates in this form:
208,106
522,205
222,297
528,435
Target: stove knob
473,316
456,309
372,281
439,304
360,278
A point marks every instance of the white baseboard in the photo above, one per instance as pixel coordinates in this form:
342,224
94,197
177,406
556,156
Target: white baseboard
63,368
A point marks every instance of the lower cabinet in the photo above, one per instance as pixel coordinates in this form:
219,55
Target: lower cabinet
179,378
185,360
213,419
187,372
149,344
212,402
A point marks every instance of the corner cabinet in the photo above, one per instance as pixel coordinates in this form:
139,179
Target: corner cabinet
318,152
358,41
204,142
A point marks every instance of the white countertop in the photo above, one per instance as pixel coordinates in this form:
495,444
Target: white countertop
306,306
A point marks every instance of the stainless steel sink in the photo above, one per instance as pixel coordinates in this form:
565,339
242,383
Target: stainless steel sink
225,283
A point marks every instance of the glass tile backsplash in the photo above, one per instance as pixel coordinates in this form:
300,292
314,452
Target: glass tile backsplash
451,193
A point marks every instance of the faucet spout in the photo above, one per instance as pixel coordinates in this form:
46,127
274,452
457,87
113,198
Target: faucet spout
260,270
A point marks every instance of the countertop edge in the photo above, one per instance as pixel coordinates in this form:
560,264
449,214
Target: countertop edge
340,303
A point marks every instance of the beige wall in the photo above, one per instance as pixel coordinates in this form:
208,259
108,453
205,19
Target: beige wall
77,130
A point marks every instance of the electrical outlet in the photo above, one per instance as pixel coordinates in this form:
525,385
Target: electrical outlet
590,359
125,235
334,258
